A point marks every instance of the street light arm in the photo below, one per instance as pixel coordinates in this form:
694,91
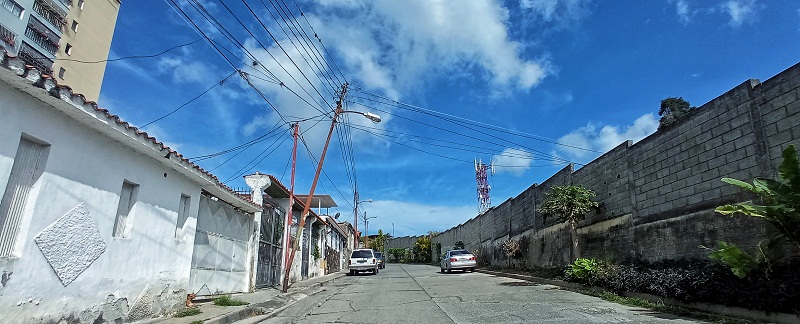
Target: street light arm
373,117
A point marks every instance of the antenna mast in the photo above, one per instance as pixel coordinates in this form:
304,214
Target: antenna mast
481,176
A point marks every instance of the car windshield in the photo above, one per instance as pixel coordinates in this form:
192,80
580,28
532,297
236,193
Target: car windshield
362,254
459,252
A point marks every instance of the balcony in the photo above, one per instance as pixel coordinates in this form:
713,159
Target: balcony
52,12
7,36
35,58
42,36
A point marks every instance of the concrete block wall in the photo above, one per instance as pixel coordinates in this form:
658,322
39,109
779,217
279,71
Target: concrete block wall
657,196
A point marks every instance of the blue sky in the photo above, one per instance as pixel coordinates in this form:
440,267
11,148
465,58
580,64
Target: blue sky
527,84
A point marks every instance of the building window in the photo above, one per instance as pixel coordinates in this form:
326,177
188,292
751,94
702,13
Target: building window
127,198
80,4
183,214
68,49
13,7
74,26
28,166
61,72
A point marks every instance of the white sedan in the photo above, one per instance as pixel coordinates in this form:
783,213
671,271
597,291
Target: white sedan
458,259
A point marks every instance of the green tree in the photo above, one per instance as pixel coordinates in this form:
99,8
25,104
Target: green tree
672,110
422,249
379,242
459,245
570,204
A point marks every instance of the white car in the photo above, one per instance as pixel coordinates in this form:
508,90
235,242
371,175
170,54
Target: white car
363,260
458,259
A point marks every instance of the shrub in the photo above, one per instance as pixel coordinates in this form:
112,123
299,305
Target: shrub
396,254
775,289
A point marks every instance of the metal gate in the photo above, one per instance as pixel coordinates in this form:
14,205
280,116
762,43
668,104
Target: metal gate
270,249
219,258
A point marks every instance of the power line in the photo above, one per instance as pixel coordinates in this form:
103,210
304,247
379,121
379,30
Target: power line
452,119
132,56
281,12
284,51
459,160
532,151
190,101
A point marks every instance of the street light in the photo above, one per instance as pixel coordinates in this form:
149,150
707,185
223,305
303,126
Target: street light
296,245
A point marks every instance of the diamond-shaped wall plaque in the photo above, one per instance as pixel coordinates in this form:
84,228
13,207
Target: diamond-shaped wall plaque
71,244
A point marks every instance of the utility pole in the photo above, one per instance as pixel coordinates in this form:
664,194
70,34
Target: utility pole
290,214
296,244
366,229
355,221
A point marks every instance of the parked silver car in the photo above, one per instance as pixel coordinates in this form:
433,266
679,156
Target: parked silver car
363,260
458,260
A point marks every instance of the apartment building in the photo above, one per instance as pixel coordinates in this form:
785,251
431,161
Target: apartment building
59,37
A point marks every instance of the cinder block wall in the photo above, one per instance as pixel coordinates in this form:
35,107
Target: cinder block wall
657,196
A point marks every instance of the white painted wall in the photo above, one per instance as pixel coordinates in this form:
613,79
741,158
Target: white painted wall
137,277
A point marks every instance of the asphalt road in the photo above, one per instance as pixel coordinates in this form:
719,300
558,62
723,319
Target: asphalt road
420,294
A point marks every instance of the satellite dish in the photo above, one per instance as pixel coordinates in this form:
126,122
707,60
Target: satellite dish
336,216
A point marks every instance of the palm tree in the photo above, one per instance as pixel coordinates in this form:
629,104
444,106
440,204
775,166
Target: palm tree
570,204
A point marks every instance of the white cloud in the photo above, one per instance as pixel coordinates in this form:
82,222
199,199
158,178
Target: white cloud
604,138
513,161
185,71
682,9
556,10
394,45
740,11
412,218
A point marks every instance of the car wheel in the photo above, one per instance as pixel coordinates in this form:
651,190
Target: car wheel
376,271
352,273
472,270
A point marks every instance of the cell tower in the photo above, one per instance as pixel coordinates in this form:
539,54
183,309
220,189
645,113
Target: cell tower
481,176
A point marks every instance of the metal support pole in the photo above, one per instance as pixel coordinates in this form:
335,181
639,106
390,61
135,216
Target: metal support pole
290,215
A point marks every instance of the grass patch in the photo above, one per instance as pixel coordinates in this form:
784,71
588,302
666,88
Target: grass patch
226,300
188,312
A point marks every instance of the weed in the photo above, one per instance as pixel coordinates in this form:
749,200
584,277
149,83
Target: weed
187,312
226,300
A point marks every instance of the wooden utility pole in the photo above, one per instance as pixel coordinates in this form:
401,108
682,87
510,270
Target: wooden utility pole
306,208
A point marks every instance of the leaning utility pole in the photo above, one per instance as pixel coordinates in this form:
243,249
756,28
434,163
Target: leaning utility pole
306,208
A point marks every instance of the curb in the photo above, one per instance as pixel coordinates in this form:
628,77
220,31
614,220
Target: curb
703,307
271,307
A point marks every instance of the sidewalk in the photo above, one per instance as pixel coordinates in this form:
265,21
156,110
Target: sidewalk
263,301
